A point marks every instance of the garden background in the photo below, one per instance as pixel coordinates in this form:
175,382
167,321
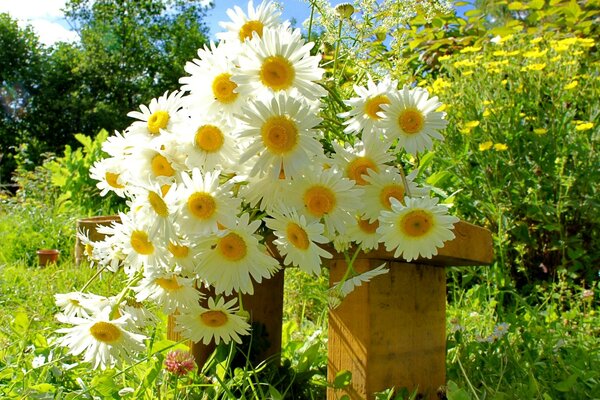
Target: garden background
521,84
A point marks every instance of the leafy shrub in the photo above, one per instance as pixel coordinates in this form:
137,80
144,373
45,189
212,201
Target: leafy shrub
521,144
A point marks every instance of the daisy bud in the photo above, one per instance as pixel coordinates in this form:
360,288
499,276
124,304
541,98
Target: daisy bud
344,10
179,362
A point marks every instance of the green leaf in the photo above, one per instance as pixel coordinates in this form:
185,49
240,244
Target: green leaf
456,393
567,384
105,384
43,388
20,323
274,393
517,6
342,379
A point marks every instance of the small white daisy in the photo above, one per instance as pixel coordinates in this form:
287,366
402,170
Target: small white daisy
217,321
411,118
170,292
279,61
364,232
416,229
104,341
233,257
362,159
384,185
204,203
111,174
244,26
364,115
158,117
77,304
298,239
281,135
325,195
266,191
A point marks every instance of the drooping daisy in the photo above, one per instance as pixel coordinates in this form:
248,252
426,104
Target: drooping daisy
325,195
158,117
111,174
154,165
383,186
208,143
77,304
364,232
104,341
118,145
217,321
281,135
181,255
364,115
204,203
279,61
210,85
243,26
265,191
298,239
362,159
138,244
151,203
233,257
416,229
169,291
411,118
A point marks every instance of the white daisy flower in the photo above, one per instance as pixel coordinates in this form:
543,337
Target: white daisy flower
155,203
384,185
210,85
217,321
158,117
411,118
170,292
233,257
181,255
325,195
159,165
298,239
362,159
204,203
77,304
281,135
103,341
208,143
265,191
279,61
364,115
244,25
341,289
139,245
111,174
416,229
364,232
118,145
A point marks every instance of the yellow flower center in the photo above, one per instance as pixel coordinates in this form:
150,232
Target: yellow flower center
277,73
214,319
140,243
158,204
178,251
169,284
232,247
368,227
164,189
161,166
249,27
319,200
279,134
157,121
395,191
416,223
209,138
373,106
105,332
358,167
411,120
113,180
89,250
223,88
75,302
202,205
297,236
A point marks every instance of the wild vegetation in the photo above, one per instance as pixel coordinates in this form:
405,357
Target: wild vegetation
520,81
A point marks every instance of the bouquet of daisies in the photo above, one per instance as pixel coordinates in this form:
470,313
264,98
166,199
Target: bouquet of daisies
240,155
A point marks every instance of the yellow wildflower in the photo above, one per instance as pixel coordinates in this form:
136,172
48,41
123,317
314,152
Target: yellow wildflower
578,52
504,81
556,58
567,42
445,57
487,102
485,145
500,147
500,53
540,131
571,85
467,73
472,124
470,49
486,113
586,42
464,63
534,67
536,53
443,107
560,48
440,85
513,53
536,40
584,126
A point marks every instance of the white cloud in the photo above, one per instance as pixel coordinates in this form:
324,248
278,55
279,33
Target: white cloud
45,16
